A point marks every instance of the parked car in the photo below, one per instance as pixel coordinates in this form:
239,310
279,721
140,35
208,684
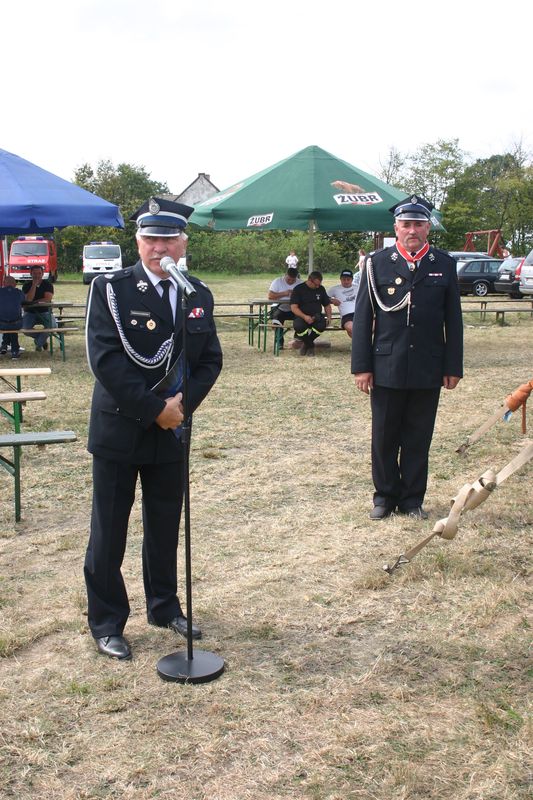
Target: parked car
526,276
509,278
462,255
477,276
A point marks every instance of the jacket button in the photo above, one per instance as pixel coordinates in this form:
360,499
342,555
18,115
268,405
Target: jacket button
411,347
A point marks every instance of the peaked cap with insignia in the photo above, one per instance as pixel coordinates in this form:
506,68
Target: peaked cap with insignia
412,207
160,217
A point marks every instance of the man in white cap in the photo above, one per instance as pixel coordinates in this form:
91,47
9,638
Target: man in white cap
134,335
407,343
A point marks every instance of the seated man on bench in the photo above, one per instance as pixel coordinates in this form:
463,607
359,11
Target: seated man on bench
11,300
343,295
307,301
37,292
280,290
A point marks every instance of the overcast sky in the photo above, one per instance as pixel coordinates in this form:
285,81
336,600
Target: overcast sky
229,87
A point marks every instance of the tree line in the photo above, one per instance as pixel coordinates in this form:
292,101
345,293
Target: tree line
472,194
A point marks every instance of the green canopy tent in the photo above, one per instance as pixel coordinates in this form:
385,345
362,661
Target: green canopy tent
310,190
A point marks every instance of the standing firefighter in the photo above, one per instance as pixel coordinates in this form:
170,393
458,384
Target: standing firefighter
134,336
407,343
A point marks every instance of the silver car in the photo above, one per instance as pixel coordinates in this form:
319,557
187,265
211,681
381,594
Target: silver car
526,276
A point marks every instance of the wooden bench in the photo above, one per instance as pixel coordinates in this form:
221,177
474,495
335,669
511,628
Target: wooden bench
19,440
53,333
281,330
17,398
500,313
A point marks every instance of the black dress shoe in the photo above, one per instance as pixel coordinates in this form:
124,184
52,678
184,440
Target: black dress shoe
380,512
416,513
114,647
179,625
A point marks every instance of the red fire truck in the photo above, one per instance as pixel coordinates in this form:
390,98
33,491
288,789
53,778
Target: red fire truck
29,251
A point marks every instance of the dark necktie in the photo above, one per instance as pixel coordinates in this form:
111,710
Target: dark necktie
165,286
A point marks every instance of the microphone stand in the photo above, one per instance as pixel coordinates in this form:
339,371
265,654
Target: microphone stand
197,666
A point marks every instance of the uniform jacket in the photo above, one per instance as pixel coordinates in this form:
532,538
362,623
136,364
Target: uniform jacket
415,348
124,409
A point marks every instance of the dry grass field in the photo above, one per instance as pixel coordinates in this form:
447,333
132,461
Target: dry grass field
341,683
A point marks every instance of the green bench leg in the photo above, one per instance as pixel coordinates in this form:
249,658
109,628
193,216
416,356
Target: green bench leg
13,467
61,339
16,465
278,338
15,417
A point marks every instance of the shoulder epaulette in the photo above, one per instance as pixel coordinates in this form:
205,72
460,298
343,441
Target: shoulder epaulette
116,276
194,279
440,252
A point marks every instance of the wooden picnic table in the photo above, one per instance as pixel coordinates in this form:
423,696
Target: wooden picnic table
53,333
21,372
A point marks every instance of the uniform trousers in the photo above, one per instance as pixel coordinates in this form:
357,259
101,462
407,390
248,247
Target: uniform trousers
402,429
113,495
308,333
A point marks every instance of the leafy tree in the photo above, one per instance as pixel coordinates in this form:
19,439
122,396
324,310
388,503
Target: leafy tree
391,170
126,185
491,194
433,169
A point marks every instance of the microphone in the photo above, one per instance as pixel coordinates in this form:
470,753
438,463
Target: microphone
169,266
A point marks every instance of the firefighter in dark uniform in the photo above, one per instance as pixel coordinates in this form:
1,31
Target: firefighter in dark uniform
134,336
407,343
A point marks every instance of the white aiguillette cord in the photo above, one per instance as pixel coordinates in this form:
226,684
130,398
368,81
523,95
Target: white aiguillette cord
470,496
373,294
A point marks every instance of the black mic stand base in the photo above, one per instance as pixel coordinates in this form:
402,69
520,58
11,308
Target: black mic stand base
201,668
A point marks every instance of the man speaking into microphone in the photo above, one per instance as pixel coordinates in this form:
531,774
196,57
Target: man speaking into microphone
134,337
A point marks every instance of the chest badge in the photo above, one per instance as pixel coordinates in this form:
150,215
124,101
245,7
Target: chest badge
142,286
391,290
133,322
398,281
150,324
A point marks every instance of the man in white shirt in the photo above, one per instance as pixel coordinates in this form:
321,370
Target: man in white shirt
343,296
280,290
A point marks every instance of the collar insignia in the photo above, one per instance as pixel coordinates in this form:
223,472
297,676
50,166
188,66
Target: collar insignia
142,286
431,257
394,257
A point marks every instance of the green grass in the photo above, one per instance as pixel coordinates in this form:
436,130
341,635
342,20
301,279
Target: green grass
341,682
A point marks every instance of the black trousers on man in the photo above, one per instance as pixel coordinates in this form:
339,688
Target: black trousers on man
402,429
308,333
113,496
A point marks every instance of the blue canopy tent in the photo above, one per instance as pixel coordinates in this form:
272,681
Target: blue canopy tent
33,200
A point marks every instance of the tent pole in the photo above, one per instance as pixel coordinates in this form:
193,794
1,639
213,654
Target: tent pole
311,232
